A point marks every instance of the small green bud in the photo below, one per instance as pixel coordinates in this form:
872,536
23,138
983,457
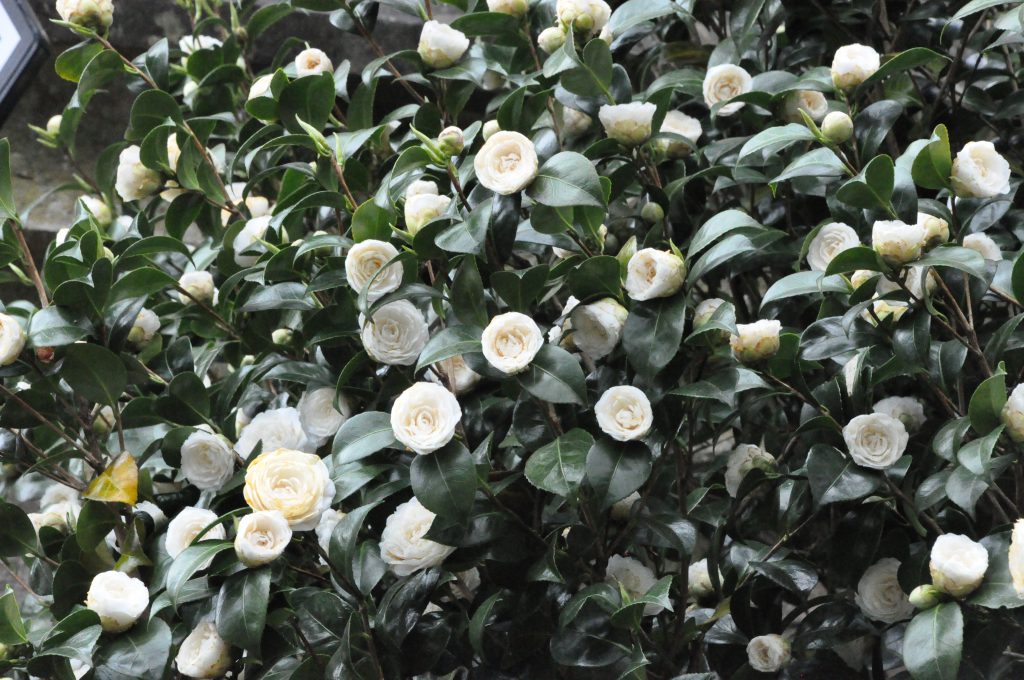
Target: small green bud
837,127
451,141
925,597
652,213
282,336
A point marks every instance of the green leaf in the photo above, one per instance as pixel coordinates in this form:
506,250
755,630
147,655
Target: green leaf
371,221
997,590
8,209
559,467
597,277
362,435
450,342
804,283
19,536
773,140
96,373
819,163
616,469
95,521
593,76
653,333
834,477
987,402
142,653
189,561
242,607
445,481
12,627
152,109
1017,277
55,326
904,61
467,296
567,179
852,259
718,226
555,376
975,455
957,257
635,12
310,98
873,187
933,643
72,61
934,163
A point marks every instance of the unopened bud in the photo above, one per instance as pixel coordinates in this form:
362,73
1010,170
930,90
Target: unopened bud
550,39
925,596
490,127
652,213
282,336
44,354
451,140
837,127
53,125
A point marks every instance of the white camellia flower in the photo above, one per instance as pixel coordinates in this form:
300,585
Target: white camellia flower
203,653
94,14
454,374
262,537
47,519
362,263
260,86
419,187
768,653
422,208
1012,414
198,284
12,339
294,483
588,16
191,44
279,428
489,128
597,327
424,417
756,341
624,413
724,82
678,123
853,64
511,341
654,273
550,39
441,45
879,594
396,334
187,525
884,309
634,577
61,500
897,242
1016,557
248,240
705,310
506,163
145,327
99,210
875,440
936,229
907,410
312,62
325,528
207,460
830,240
979,171
516,8
810,102
628,124
575,123
984,245
258,206
698,579
118,599
622,509
319,417
135,180
957,564
402,543
743,459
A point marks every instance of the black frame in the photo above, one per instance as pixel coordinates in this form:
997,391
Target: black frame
17,72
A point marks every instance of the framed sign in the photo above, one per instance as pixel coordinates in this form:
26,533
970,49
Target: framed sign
23,48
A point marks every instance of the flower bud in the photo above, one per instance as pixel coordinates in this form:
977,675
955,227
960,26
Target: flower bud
95,14
925,596
936,229
44,354
53,125
103,423
837,127
490,127
282,336
756,341
652,213
550,39
1013,414
516,8
451,140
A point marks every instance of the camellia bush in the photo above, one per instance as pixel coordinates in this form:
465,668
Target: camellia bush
670,340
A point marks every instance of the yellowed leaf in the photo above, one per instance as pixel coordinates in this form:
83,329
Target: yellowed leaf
119,483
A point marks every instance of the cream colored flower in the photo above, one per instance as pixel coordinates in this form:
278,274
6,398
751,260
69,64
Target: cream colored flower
191,44
326,526
247,242
402,543
957,564
653,273
516,8
907,410
1016,557
53,125
756,341
198,285
422,208
207,460
628,124
853,64
979,171
98,208
312,62
187,525
587,16
810,102
135,180
261,86
724,82
319,417
396,334
597,327
294,483
441,45
511,341
145,327
705,310
362,264
507,163
830,240
936,229
879,594
884,309
551,38
1012,414
837,127
203,653
12,339
421,187
95,14
575,123
118,599
624,413
455,374
984,245
489,128
279,428
875,440
634,577
897,242
678,123
743,459
698,580
768,653
262,537
424,417
258,206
